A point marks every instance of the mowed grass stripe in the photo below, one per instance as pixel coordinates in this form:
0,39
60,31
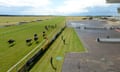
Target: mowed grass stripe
70,40
58,49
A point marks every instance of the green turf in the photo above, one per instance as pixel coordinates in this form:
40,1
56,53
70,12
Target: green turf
11,55
58,51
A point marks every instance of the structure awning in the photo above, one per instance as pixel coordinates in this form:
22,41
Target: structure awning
113,1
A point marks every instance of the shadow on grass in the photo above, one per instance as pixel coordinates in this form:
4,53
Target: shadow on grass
11,45
37,42
29,44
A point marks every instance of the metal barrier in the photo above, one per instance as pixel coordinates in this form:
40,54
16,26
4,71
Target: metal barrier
96,28
109,40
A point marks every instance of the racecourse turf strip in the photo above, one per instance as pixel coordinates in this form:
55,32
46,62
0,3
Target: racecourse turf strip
58,51
11,55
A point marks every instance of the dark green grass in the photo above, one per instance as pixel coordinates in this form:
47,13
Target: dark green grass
58,50
11,55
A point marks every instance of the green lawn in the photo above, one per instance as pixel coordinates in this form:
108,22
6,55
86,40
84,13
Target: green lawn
58,51
11,55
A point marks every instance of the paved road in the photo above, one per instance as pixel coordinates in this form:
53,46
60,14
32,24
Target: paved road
101,57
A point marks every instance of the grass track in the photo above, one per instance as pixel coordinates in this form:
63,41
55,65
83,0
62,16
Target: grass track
58,49
11,55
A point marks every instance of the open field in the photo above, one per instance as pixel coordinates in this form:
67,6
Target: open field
58,51
7,20
11,55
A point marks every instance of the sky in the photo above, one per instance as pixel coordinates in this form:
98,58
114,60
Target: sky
57,7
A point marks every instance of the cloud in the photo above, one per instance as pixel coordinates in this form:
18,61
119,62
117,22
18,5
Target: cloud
38,11
29,7
12,10
99,10
75,6
68,7
51,7
18,3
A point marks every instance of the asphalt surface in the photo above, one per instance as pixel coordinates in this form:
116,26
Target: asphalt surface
99,57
